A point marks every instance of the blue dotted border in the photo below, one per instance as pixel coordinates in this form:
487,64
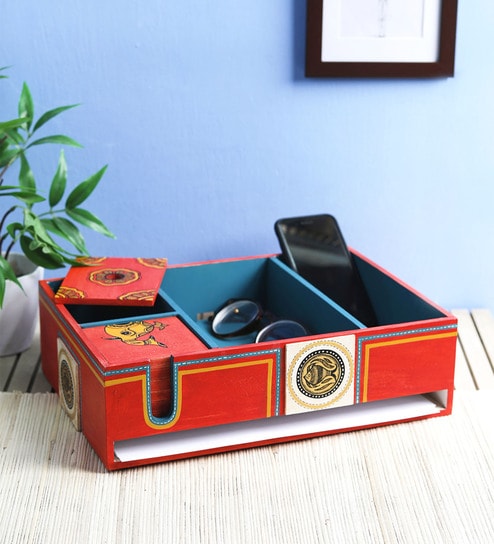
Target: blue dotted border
364,339
175,368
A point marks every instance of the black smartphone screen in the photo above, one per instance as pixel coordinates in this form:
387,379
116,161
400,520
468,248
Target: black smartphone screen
314,247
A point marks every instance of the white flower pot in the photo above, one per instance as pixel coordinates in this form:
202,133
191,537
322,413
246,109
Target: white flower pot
20,311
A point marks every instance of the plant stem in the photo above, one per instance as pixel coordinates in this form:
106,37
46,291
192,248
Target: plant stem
52,212
9,249
2,172
5,215
2,223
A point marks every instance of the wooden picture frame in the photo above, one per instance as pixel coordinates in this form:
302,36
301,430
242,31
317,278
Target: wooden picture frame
388,38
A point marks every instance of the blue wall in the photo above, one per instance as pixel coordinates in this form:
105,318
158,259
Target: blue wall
212,132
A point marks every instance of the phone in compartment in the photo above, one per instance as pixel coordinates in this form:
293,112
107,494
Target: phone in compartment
314,247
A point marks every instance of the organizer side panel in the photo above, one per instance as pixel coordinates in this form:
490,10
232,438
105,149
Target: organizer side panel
48,335
208,389
399,363
94,409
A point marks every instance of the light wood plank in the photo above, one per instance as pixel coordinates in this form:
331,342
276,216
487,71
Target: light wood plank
26,367
474,350
426,481
484,322
6,366
463,374
39,383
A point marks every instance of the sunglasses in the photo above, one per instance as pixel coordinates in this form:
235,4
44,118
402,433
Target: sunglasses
239,317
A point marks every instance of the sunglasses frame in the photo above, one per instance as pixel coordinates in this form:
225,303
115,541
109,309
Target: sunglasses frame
255,323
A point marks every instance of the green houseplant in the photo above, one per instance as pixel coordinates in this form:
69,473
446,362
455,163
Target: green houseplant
43,223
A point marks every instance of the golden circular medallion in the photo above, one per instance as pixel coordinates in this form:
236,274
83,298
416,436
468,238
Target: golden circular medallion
67,384
320,373
114,276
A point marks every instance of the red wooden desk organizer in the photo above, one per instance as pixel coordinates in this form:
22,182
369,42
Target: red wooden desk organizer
147,384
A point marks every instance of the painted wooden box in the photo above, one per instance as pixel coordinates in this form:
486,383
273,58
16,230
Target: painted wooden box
151,383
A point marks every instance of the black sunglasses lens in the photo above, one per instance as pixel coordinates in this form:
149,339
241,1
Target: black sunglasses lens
280,330
235,317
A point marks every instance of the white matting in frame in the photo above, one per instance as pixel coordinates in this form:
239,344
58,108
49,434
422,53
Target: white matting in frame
381,30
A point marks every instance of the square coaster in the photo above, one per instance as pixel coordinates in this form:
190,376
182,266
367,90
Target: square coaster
113,281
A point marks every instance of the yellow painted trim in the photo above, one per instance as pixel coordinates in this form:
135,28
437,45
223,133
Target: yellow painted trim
370,346
67,334
184,372
118,381
181,372
269,362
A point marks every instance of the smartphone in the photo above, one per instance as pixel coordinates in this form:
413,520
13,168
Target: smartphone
314,247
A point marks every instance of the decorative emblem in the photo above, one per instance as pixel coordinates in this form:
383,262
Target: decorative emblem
68,383
114,276
91,261
320,374
153,263
135,333
138,295
70,292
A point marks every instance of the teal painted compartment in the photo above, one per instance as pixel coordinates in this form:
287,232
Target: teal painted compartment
392,301
194,292
198,291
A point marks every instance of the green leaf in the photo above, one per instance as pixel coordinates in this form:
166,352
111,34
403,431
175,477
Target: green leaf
4,144
25,194
2,68
14,228
84,189
7,271
47,116
13,123
66,229
50,252
26,176
9,187
89,220
55,139
26,106
35,226
6,274
41,255
27,197
59,182
7,156
16,138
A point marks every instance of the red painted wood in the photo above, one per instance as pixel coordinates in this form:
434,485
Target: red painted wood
115,281
152,376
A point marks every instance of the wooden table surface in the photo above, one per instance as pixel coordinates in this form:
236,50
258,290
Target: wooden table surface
426,481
